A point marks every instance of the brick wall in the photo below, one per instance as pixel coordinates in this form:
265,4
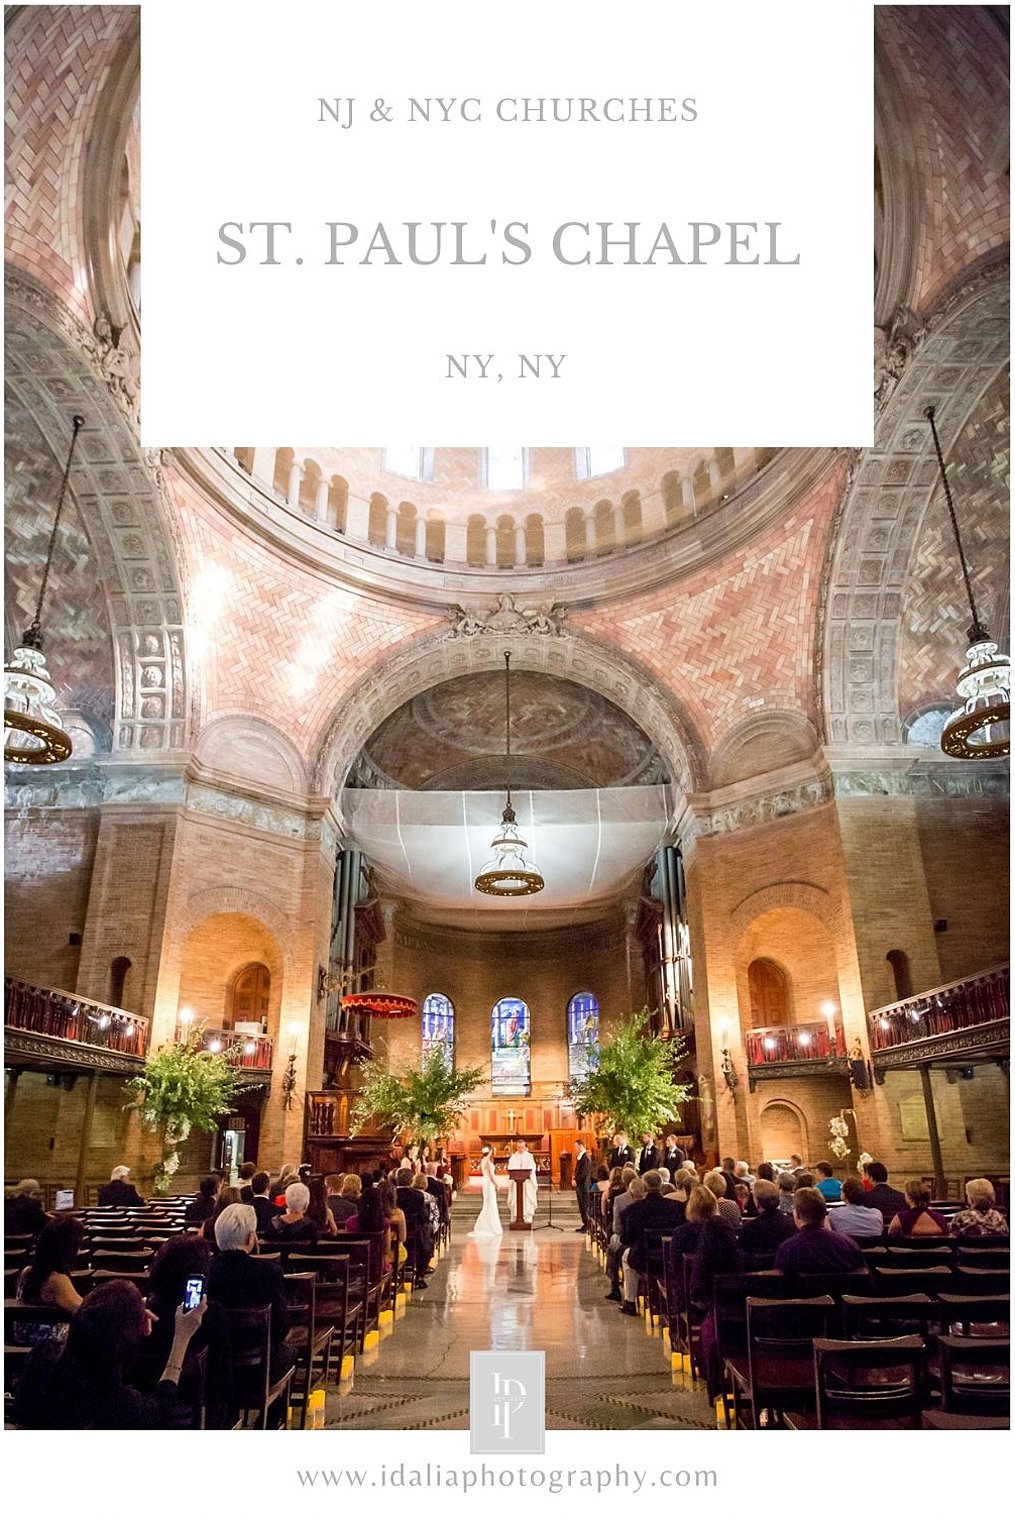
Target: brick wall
48,868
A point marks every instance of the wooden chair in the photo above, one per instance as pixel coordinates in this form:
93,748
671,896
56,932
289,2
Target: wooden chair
914,1254
979,1315
975,1375
991,1260
250,1350
106,1274
122,1261
981,1281
780,1359
730,1292
870,1385
336,1304
877,1319
313,1342
899,1282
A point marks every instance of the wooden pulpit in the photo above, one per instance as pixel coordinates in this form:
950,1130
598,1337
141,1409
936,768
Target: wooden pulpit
520,1176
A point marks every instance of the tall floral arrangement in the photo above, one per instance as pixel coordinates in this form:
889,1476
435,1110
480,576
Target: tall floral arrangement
423,1102
634,1086
182,1088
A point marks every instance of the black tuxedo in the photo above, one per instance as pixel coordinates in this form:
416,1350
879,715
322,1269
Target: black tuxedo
674,1159
621,1155
417,1223
648,1159
582,1178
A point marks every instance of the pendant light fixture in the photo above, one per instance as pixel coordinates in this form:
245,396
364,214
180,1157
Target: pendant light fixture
980,729
32,731
508,872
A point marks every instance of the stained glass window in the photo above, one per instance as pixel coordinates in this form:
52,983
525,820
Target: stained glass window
439,1026
582,1034
510,1038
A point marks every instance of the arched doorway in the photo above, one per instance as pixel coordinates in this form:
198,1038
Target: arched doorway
783,1131
770,994
249,997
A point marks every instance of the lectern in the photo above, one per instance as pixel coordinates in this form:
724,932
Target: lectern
520,1176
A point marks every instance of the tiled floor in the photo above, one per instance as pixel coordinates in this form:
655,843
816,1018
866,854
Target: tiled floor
539,1291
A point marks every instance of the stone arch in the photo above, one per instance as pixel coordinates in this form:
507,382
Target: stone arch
879,527
210,902
765,742
55,368
783,1109
789,894
897,189
251,749
215,952
439,658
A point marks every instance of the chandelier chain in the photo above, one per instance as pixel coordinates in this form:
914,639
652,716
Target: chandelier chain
34,634
977,632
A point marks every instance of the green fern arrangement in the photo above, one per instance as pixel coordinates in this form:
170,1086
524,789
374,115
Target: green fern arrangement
182,1088
424,1102
633,1086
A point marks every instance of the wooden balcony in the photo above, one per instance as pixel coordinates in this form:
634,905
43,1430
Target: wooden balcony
327,1143
50,1029
795,1050
959,1023
250,1055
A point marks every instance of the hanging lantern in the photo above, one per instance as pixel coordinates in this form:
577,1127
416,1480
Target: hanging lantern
980,728
508,872
33,734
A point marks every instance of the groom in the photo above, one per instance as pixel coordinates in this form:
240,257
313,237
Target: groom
523,1164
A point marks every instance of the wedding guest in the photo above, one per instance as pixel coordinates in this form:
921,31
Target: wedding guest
318,1211
245,1177
292,1224
226,1196
814,1248
787,1187
237,1279
729,1209
23,1211
980,1217
919,1218
261,1203
880,1196
343,1198
764,1234
203,1206
46,1281
828,1185
856,1217
118,1192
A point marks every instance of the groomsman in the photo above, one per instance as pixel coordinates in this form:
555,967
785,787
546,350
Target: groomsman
673,1156
622,1154
582,1179
648,1156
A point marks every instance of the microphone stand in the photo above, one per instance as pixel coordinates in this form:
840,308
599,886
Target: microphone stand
549,1225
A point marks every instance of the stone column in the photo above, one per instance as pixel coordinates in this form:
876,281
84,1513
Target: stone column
420,538
391,528
521,548
321,502
295,477
86,1140
491,546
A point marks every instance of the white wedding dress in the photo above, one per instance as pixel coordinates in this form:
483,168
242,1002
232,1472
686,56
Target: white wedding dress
488,1225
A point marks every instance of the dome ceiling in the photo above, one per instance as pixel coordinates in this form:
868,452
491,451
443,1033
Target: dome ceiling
563,736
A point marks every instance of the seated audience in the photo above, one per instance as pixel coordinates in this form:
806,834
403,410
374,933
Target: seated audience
439,1192
343,1200
796,1165
261,1202
718,1252
202,1207
292,1224
742,1173
289,1173
804,1179
919,1218
981,1217
814,1248
413,1204
237,1280
764,1234
633,1191
701,1206
602,1187
729,1209
880,1196
766,1171
46,1282
393,1219
419,1183
23,1211
828,1185
177,1261
787,1187
730,1177
856,1217
317,1209
86,1388
118,1192
226,1196
641,1221
245,1177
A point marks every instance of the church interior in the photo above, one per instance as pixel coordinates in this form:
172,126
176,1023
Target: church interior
299,688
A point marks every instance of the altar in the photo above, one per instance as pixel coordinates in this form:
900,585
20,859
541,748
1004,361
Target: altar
502,1145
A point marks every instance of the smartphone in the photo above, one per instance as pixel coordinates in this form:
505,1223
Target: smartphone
193,1293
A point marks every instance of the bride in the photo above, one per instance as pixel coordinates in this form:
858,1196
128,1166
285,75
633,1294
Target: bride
488,1224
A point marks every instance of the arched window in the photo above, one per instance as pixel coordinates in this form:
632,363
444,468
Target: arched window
249,997
439,1027
117,977
902,976
510,1037
582,1034
770,994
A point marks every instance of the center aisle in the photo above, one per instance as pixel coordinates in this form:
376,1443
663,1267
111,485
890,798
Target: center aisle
526,1292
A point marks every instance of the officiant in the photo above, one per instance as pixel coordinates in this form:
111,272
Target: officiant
522,1164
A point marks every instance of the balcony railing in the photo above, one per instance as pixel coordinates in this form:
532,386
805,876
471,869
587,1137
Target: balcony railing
967,1004
65,1016
792,1043
327,1114
249,1052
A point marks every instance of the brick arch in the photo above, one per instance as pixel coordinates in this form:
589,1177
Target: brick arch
439,658
211,901
54,368
877,535
803,895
